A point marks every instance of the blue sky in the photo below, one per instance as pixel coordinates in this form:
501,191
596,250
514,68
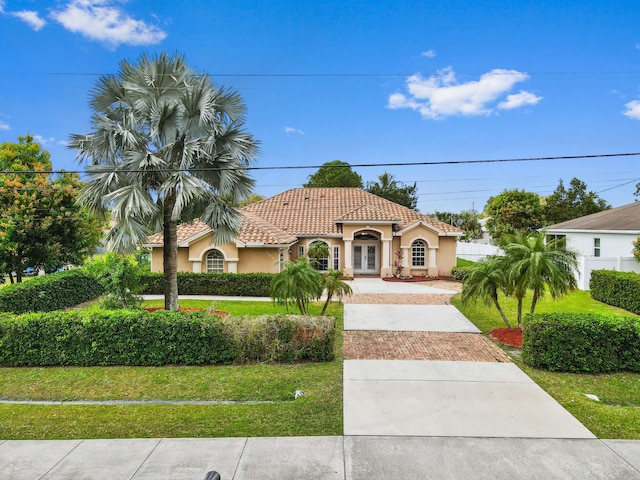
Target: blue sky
366,82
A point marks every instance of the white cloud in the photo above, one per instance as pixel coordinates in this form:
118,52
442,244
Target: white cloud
4,126
632,109
442,95
98,20
31,18
291,130
44,141
518,100
2,4
428,54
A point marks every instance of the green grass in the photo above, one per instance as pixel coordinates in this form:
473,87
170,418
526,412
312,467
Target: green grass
461,262
318,412
617,415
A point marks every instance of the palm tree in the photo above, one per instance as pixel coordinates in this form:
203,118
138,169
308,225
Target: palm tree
167,146
334,286
538,265
298,284
483,281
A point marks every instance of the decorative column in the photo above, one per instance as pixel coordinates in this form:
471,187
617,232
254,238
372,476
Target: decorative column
348,252
196,267
406,252
387,269
433,265
232,265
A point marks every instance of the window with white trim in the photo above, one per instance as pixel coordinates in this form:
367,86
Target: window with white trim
319,253
215,262
300,251
336,257
596,247
418,253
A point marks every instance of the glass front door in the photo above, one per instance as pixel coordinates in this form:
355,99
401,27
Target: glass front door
365,259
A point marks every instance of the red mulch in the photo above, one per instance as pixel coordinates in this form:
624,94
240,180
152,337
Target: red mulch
414,279
219,312
509,337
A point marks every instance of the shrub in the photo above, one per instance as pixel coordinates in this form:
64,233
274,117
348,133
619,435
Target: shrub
229,284
620,289
137,337
120,278
581,342
50,292
459,273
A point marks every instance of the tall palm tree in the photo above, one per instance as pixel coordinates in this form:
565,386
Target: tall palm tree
538,265
483,281
167,146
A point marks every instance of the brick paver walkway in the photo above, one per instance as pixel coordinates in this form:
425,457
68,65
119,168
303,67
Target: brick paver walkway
394,345
397,299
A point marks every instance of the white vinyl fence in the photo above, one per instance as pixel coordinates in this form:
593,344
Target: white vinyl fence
587,264
476,251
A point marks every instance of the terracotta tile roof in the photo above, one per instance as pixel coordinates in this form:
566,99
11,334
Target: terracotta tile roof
319,211
626,218
254,230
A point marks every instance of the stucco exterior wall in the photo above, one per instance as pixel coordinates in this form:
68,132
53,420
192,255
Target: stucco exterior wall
184,265
446,256
611,244
258,260
383,231
156,259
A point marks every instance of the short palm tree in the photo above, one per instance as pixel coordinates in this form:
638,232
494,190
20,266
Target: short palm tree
298,284
167,146
483,281
538,265
334,286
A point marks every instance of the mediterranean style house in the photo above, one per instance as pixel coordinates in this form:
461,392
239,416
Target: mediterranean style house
363,234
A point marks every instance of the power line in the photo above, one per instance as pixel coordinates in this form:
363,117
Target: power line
360,165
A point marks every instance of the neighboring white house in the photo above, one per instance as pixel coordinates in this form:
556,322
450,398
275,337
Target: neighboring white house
602,240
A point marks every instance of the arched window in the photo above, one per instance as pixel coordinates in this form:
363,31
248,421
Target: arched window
215,262
319,255
418,253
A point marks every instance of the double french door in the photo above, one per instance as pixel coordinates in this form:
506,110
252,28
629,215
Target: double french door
365,259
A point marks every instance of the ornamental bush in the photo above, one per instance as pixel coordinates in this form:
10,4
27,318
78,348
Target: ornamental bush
579,342
620,289
228,284
50,292
138,337
459,273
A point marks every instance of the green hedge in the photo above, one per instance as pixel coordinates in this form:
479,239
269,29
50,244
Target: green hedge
620,289
229,284
49,292
128,337
573,342
459,273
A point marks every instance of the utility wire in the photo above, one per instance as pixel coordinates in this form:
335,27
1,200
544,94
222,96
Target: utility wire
359,165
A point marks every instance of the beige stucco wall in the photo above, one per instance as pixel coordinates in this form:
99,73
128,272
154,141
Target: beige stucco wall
156,259
422,233
258,260
446,256
200,249
383,231
184,265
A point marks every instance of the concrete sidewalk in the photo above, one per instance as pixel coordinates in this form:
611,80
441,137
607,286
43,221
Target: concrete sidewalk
331,458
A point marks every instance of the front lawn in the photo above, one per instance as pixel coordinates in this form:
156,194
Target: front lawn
317,412
617,414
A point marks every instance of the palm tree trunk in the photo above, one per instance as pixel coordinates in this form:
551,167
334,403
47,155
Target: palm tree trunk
519,312
501,312
170,255
534,301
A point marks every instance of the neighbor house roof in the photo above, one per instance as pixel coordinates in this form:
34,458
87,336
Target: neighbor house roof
320,211
254,230
625,218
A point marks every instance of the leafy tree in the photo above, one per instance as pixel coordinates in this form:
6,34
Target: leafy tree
483,281
566,204
250,200
298,284
636,249
512,211
167,146
536,265
334,174
389,188
334,286
470,224
41,226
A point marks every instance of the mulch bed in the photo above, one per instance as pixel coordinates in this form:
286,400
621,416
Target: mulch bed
508,337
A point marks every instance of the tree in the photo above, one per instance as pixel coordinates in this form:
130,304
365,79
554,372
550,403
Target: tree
536,265
334,286
167,146
636,249
566,204
334,174
470,224
389,188
298,284
41,226
512,211
483,281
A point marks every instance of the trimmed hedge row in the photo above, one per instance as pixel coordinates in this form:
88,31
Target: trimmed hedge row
571,342
620,289
230,284
459,273
50,292
137,337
